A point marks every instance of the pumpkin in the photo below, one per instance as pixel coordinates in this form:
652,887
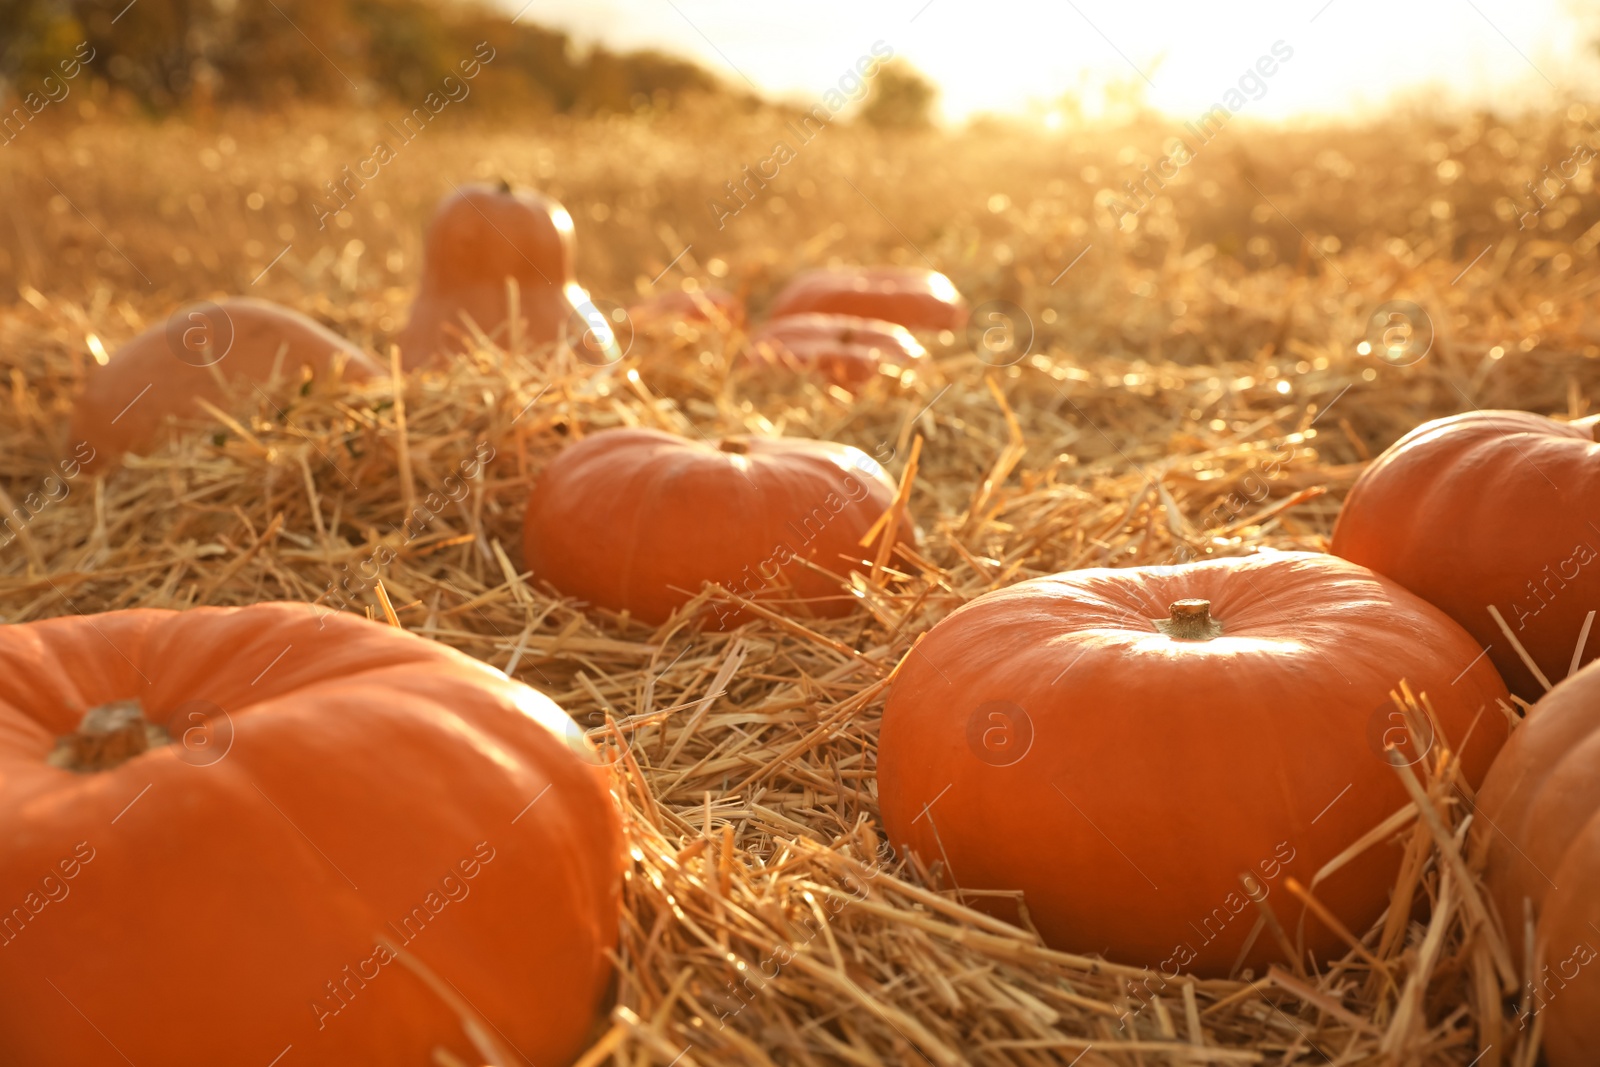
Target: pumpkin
306,829
845,349
914,298
1489,508
717,308
481,236
639,520
203,351
1147,752
1538,835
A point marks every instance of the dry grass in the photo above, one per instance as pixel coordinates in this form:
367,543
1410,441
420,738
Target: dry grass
1194,390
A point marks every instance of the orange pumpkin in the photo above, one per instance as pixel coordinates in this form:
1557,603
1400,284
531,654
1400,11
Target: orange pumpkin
310,830
914,298
845,349
1538,830
713,307
481,236
1489,508
640,520
198,351
1144,752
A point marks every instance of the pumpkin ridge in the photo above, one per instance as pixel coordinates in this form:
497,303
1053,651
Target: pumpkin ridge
714,515
237,869
1537,837
759,492
816,471
1198,759
657,483
1487,508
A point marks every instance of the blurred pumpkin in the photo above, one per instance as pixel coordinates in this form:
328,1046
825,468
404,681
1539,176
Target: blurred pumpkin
257,810
639,520
911,297
845,349
714,307
1147,752
481,238
204,351
1538,835
1488,508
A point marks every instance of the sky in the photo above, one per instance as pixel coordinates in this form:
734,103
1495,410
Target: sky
1018,57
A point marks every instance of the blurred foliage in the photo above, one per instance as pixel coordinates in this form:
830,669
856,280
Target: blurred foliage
900,98
172,53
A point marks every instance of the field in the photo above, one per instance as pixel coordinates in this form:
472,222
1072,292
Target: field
1196,385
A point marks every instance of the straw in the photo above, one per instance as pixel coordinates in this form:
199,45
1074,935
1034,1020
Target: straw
765,921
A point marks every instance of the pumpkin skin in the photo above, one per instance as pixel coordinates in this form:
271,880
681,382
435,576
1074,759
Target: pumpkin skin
845,349
480,236
1489,507
1567,991
1538,834
639,520
355,769
713,307
239,337
1125,779
910,297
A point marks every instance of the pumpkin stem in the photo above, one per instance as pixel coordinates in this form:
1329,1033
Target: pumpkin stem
737,446
504,184
108,736
1190,620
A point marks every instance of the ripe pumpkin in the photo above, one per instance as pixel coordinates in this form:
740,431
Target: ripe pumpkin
713,307
1489,507
479,237
914,298
639,520
1538,832
159,374
241,807
1123,745
845,349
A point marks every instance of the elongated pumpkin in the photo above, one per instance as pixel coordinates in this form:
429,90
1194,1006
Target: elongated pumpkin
200,353
315,833
640,520
1538,832
1490,509
1146,753
909,296
483,241
845,349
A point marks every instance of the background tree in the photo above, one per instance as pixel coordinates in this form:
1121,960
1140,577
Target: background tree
900,98
168,54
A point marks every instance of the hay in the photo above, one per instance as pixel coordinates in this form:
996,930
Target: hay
764,920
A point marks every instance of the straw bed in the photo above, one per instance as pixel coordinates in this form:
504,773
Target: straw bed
765,921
